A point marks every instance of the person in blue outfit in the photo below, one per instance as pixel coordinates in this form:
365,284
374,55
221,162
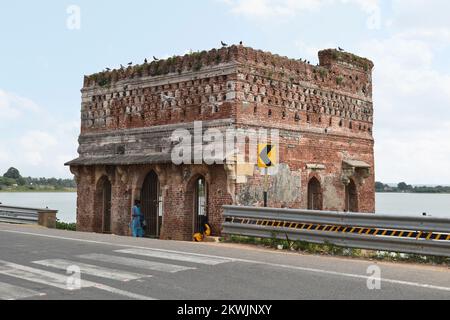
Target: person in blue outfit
136,220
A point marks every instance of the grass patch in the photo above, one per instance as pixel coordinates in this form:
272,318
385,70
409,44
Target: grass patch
403,257
323,72
333,250
66,226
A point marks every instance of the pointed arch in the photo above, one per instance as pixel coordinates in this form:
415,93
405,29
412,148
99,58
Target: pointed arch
151,204
315,196
103,197
196,204
351,197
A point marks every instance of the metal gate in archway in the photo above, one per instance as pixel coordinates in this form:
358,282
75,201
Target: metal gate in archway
106,196
200,205
150,205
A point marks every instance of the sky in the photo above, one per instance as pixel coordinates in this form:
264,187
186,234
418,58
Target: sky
47,46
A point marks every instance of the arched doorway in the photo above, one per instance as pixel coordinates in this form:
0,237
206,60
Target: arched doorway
351,197
200,205
315,199
104,190
150,205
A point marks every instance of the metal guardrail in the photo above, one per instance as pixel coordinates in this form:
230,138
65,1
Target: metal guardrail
419,235
20,215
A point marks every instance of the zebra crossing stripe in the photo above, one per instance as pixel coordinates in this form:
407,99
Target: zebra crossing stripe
131,262
92,270
174,256
10,292
57,280
37,276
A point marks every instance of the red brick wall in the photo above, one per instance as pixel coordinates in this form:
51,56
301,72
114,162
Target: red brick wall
324,114
177,187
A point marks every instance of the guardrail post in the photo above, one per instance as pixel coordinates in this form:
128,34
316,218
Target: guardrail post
47,219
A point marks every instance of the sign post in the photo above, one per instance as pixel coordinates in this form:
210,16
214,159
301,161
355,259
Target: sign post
266,186
266,160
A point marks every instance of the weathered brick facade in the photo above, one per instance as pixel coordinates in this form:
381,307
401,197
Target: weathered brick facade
324,115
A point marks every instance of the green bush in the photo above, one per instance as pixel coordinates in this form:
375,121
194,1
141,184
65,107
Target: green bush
7,181
66,226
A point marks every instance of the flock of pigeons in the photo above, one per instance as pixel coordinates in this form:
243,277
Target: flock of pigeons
224,45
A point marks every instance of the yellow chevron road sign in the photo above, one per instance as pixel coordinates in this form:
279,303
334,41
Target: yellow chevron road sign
267,155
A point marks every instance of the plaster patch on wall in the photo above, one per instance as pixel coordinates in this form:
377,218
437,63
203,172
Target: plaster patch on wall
331,197
285,188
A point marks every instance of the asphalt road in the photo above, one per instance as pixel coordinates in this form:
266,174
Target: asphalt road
34,262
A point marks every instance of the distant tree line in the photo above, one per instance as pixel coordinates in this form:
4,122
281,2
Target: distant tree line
403,187
13,179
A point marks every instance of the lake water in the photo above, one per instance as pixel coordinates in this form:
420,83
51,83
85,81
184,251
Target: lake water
65,203
436,205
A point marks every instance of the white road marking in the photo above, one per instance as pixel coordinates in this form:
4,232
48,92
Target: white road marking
392,281
10,292
36,275
186,257
113,244
350,275
130,262
93,270
56,280
122,292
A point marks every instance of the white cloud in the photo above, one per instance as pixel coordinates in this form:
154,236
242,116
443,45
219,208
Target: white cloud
13,106
37,140
426,13
412,99
418,157
371,8
439,36
425,20
4,154
36,148
266,9
272,8
310,51
35,145
411,91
